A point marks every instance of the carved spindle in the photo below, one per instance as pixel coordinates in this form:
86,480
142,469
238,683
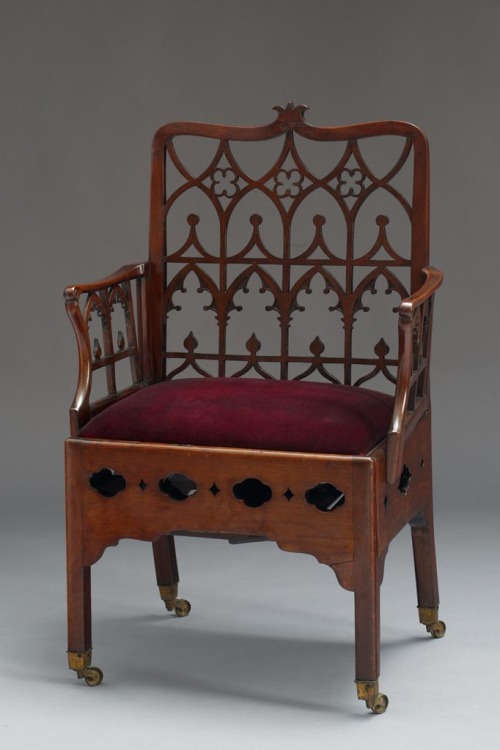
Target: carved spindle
97,349
253,345
416,342
120,341
316,348
190,342
381,349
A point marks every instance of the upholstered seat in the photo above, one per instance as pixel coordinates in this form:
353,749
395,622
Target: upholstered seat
250,413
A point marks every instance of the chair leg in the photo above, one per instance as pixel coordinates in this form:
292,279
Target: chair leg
78,588
167,576
79,625
367,629
424,555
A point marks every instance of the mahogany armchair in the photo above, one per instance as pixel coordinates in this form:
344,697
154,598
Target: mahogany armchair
234,439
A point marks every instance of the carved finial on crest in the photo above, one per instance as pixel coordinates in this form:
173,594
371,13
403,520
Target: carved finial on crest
290,107
291,114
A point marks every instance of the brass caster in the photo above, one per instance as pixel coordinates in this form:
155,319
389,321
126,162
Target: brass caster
79,662
429,618
181,607
437,629
378,704
92,676
368,692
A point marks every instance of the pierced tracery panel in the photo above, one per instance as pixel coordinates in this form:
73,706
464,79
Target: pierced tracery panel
108,315
341,229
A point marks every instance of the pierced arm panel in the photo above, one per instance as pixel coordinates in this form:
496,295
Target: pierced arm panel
412,388
98,299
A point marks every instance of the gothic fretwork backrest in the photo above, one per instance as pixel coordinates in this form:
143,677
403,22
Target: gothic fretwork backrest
285,210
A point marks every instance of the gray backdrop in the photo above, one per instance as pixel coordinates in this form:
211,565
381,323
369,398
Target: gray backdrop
87,83
84,87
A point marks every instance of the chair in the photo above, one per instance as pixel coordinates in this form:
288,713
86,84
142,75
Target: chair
231,438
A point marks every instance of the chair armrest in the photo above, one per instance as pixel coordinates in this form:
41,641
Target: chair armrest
125,273
412,387
100,297
433,280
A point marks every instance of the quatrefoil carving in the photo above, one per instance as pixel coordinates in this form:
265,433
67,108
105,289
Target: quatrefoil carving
288,183
350,182
224,182
107,482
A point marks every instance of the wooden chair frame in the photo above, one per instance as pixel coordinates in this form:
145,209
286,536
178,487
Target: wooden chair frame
384,490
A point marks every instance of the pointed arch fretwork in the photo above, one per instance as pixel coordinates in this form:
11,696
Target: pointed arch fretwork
318,243
368,285
253,345
317,348
206,284
286,182
241,284
192,242
255,242
303,284
381,243
385,181
381,349
96,304
112,346
120,295
190,359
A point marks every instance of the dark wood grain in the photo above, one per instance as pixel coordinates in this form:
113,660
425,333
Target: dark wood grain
165,560
148,514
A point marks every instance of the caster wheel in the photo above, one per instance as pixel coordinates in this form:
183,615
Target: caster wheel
182,607
378,704
437,629
93,676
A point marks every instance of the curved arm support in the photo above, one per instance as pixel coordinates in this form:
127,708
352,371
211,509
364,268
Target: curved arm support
125,273
433,280
412,388
81,409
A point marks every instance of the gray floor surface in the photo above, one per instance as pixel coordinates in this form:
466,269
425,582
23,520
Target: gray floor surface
266,658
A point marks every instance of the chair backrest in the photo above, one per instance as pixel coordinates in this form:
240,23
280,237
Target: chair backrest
341,209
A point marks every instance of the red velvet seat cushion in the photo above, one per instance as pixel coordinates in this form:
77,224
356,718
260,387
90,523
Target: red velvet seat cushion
249,413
